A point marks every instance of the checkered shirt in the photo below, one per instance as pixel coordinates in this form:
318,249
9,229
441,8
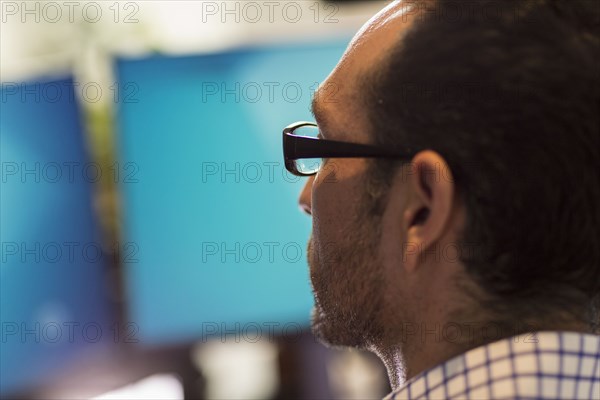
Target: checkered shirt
542,365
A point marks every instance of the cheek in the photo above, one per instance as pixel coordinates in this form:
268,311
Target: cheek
335,204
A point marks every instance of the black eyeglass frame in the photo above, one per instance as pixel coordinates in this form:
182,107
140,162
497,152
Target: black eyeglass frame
299,147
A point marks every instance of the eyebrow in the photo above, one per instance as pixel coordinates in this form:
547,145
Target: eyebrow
317,111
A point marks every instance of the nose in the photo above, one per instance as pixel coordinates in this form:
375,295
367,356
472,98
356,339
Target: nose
306,195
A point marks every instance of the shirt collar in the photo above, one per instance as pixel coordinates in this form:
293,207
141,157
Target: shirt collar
546,364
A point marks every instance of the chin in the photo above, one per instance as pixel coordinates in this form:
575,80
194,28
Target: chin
333,332
347,288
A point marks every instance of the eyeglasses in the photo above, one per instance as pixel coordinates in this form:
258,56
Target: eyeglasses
304,150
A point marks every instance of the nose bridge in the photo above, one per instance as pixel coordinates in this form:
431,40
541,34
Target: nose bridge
306,196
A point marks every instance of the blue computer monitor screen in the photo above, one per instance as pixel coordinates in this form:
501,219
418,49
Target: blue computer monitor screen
217,239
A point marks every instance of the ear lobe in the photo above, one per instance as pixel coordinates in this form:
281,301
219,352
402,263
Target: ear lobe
430,208
415,243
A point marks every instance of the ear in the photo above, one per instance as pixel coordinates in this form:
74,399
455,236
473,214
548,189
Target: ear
430,206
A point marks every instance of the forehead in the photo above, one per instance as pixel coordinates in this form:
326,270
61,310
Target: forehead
336,104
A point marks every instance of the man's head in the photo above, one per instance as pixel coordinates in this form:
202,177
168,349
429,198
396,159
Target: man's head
497,215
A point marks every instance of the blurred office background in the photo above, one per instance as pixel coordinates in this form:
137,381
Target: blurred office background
151,242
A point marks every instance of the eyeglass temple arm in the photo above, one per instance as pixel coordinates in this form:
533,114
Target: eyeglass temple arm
297,147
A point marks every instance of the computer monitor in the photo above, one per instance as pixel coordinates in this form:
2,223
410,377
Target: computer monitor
54,306
218,240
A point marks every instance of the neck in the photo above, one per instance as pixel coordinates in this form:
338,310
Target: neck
421,345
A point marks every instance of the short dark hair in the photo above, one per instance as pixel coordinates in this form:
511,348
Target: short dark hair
509,94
